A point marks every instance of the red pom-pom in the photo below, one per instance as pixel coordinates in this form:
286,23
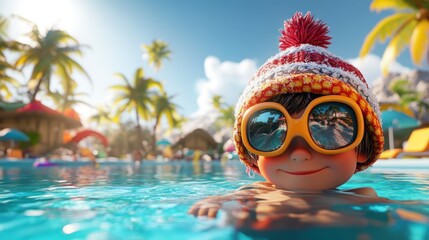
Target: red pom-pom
304,29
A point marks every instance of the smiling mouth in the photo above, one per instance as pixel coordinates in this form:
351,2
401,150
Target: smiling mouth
304,172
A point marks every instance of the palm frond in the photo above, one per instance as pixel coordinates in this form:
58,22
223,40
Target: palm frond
419,41
385,29
380,5
395,46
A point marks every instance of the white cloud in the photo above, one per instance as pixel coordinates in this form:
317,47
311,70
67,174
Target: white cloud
370,67
226,79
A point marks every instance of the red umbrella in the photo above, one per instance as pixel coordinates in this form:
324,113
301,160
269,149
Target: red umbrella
90,133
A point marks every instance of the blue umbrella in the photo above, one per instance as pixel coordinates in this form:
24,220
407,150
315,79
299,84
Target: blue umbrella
396,120
163,142
12,134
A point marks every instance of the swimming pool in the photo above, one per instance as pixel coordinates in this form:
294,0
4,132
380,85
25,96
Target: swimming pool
151,200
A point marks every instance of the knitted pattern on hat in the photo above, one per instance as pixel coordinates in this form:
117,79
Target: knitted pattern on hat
304,65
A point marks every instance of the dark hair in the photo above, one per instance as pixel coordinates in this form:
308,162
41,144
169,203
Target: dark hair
296,102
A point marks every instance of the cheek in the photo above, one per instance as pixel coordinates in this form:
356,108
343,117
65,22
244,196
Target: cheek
344,167
267,167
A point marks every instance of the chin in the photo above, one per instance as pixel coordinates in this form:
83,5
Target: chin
310,187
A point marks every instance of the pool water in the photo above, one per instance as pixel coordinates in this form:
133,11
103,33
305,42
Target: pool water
151,200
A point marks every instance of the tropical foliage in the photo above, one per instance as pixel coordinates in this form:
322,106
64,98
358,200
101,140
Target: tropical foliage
164,107
136,96
125,139
103,115
49,54
47,61
157,52
6,81
408,95
407,26
69,98
226,116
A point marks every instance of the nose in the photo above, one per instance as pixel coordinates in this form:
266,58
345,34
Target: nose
300,155
300,150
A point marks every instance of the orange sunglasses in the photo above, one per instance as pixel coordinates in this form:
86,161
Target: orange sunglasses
330,125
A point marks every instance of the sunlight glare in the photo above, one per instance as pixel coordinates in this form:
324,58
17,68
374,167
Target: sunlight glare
46,14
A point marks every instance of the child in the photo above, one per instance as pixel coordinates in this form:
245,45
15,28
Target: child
307,121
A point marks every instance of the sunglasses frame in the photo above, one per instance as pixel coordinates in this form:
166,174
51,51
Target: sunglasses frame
299,126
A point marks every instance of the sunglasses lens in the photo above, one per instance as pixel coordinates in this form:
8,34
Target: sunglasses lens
332,125
266,130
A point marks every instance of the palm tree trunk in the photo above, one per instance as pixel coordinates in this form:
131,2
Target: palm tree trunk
45,78
154,134
139,130
139,134
37,89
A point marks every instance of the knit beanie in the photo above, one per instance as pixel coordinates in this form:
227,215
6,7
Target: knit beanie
303,65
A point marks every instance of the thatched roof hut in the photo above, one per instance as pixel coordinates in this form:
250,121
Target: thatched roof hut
35,118
199,139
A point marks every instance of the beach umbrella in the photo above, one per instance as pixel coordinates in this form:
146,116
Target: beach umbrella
229,146
13,135
397,120
163,142
394,120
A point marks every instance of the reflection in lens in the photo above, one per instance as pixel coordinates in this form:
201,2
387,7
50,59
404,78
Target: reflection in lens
332,125
266,130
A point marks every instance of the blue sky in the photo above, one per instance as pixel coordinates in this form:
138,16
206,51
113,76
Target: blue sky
216,44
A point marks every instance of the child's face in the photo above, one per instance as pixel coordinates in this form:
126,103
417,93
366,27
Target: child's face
302,168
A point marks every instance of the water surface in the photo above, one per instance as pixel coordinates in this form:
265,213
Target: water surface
151,200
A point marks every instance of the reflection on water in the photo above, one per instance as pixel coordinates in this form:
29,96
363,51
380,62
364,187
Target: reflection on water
332,125
332,136
125,201
260,210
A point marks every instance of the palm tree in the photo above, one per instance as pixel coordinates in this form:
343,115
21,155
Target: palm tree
226,116
401,87
157,52
65,101
217,102
49,54
4,24
102,115
409,25
136,96
164,107
6,81
68,98
407,95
